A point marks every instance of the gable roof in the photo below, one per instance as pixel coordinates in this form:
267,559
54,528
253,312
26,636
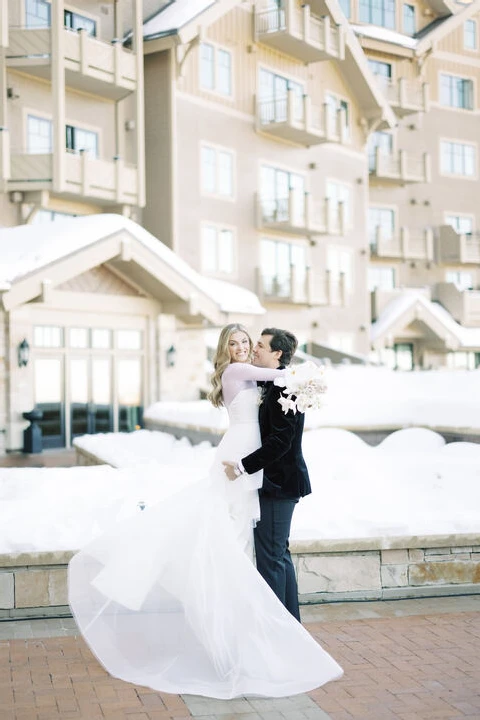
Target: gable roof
410,306
52,253
439,31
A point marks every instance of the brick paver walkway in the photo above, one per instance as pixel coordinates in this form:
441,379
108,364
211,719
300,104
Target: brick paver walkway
419,666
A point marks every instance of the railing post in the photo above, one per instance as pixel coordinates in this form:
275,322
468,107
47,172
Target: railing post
402,164
290,107
429,243
118,178
117,60
342,217
308,211
326,32
404,236
402,92
258,210
289,9
342,286
462,247
426,97
378,166
427,167
341,42
328,286
378,241
307,112
82,158
342,125
306,23
327,121
328,216
4,156
293,284
308,285
291,206
4,25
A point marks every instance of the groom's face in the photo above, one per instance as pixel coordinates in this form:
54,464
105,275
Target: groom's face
263,355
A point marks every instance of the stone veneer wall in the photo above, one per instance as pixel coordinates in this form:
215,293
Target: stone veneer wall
35,584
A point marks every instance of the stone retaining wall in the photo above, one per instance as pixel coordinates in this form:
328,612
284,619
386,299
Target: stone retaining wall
35,584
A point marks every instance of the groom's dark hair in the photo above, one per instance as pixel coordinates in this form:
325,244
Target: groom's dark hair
282,340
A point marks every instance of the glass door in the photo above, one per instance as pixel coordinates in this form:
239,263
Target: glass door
129,389
49,398
91,408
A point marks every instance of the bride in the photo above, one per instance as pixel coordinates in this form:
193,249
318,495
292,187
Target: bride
170,598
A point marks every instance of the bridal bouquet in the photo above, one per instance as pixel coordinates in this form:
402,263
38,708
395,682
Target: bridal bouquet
304,387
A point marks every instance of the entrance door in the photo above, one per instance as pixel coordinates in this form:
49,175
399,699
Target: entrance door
49,398
91,409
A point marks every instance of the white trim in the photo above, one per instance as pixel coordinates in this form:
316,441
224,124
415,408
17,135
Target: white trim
459,77
442,173
280,73
219,227
215,92
455,213
468,49
219,148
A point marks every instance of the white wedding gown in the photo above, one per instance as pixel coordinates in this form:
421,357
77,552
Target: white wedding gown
169,597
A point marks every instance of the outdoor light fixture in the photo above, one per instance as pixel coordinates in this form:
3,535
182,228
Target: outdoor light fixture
171,355
23,352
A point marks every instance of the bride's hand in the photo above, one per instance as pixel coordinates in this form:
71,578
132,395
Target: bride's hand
230,470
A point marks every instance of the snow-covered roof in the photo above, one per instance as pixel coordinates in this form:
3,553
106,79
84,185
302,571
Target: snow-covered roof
174,16
27,249
408,306
384,35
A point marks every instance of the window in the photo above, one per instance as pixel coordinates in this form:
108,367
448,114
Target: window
409,24
470,35
280,263
462,224
345,5
403,356
457,159
461,279
338,193
101,339
47,336
39,135
456,92
129,339
78,337
381,221
462,360
215,69
380,68
274,98
378,12
44,216
381,278
382,141
218,250
78,140
275,187
37,13
334,105
217,171
74,21
339,265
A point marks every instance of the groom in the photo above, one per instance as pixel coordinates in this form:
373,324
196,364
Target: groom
285,475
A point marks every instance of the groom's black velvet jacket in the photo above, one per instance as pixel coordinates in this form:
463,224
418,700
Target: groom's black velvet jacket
285,473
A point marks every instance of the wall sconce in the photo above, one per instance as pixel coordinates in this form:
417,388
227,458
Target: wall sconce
171,356
12,94
23,353
129,125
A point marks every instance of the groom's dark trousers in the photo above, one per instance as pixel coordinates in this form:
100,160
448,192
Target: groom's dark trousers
285,480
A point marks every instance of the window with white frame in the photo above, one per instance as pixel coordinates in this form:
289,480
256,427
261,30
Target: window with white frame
381,278
470,35
37,13
457,158
409,22
217,171
80,140
346,8
460,278
218,250
334,105
283,267
338,194
378,12
48,336
380,68
276,185
39,135
461,360
340,266
75,21
345,342
462,224
378,141
44,216
215,69
456,92
129,339
381,222
273,97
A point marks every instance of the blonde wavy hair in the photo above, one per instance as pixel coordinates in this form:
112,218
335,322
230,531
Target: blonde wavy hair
221,360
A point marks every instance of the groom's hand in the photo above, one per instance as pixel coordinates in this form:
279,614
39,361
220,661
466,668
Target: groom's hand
230,469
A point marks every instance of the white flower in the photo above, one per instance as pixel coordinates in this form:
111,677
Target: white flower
304,385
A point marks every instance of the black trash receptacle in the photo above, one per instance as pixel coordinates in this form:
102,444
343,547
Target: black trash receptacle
32,435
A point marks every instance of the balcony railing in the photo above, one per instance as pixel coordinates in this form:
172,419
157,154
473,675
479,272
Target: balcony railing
301,286
452,247
299,214
107,181
463,305
298,33
399,167
108,69
405,96
293,117
405,245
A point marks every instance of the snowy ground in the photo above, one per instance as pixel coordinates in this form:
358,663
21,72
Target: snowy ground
363,397
411,484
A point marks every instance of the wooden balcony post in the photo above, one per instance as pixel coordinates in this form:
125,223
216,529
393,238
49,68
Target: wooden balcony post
289,10
426,97
291,206
404,237
307,112
83,42
342,286
378,162
4,27
258,211
328,216
119,164
328,286
378,240
342,218
326,32
84,179
429,243
462,248
306,23
427,167
4,155
309,285
308,211
402,164
341,42
117,60
139,100
58,93
291,107
402,92
342,125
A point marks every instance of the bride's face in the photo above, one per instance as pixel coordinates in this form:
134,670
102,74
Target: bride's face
239,347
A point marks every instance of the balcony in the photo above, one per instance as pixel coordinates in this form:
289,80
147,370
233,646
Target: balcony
300,215
106,181
302,288
405,245
453,248
463,305
294,119
398,168
406,97
296,32
91,65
